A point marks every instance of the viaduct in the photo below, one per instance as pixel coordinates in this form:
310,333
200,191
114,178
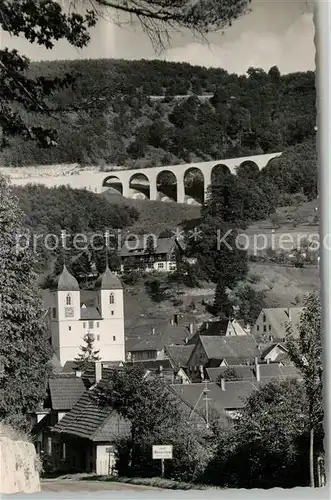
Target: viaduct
167,183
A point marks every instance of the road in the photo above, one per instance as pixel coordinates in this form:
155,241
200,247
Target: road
74,486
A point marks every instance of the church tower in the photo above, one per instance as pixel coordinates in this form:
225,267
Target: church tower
110,303
63,303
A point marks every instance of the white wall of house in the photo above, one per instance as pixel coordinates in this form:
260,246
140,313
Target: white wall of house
263,327
274,353
105,459
160,266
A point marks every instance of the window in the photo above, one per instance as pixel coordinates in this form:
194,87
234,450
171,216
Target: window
112,313
97,324
84,325
68,299
90,324
264,328
160,265
63,451
69,328
54,312
98,337
264,318
114,338
269,328
111,299
257,328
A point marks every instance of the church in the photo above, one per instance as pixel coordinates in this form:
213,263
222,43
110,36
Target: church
74,312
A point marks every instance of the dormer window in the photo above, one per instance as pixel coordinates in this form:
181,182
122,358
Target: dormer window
68,299
111,299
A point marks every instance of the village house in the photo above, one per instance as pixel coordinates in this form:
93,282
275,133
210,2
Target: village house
146,342
275,353
63,392
85,438
72,313
222,402
223,327
151,254
257,373
218,350
272,322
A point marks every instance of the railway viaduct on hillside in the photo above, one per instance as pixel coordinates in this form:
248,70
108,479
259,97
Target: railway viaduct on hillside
168,183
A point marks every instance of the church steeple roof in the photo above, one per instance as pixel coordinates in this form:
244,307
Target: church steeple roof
108,281
66,282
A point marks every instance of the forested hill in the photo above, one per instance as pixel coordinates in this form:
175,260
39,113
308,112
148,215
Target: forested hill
108,117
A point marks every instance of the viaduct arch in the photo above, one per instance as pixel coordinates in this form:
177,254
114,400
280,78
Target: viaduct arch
166,183
176,182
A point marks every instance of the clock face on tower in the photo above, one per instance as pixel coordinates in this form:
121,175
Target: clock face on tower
69,312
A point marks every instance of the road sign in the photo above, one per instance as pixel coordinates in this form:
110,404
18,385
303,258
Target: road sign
161,452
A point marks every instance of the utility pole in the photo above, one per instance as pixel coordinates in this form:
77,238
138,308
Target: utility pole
206,400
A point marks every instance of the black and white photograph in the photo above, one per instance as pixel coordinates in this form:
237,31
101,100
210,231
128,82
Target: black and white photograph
161,319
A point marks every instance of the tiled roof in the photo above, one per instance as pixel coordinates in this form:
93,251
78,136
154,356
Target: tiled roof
153,364
88,298
165,334
290,372
65,391
217,347
90,313
107,368
274,371
108,281
242,372
65,282
214,327
233,397
164,246
179,354
90,420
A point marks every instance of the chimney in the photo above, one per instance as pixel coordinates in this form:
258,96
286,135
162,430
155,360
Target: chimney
202,375
268,361
191,328
98,371
258,377
176,319
153,331
223,384
255,361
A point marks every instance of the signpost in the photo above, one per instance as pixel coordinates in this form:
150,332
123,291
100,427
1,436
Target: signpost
162,452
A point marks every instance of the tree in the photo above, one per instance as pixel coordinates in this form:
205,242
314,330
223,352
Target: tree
305,350
265,447
24,346
228,374
155,416
222,306
87,354
46,21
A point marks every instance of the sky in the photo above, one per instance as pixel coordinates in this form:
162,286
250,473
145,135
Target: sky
275,32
